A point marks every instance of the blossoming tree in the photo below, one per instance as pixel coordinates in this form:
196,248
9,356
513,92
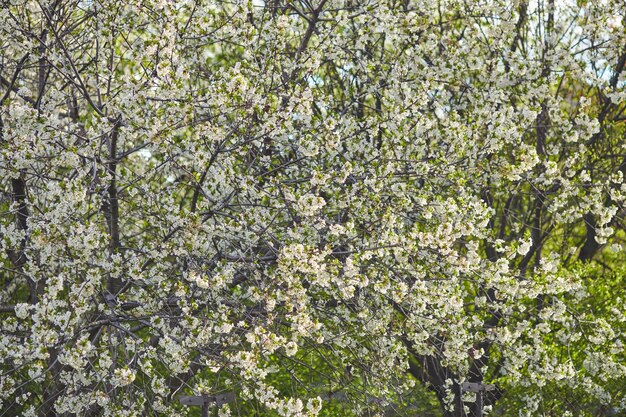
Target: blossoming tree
319,206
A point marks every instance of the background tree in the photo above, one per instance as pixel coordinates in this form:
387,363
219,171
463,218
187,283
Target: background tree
316,205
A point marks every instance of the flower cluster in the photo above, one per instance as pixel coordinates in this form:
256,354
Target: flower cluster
316,206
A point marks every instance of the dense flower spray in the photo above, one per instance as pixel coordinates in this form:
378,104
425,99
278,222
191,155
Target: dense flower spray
311,204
